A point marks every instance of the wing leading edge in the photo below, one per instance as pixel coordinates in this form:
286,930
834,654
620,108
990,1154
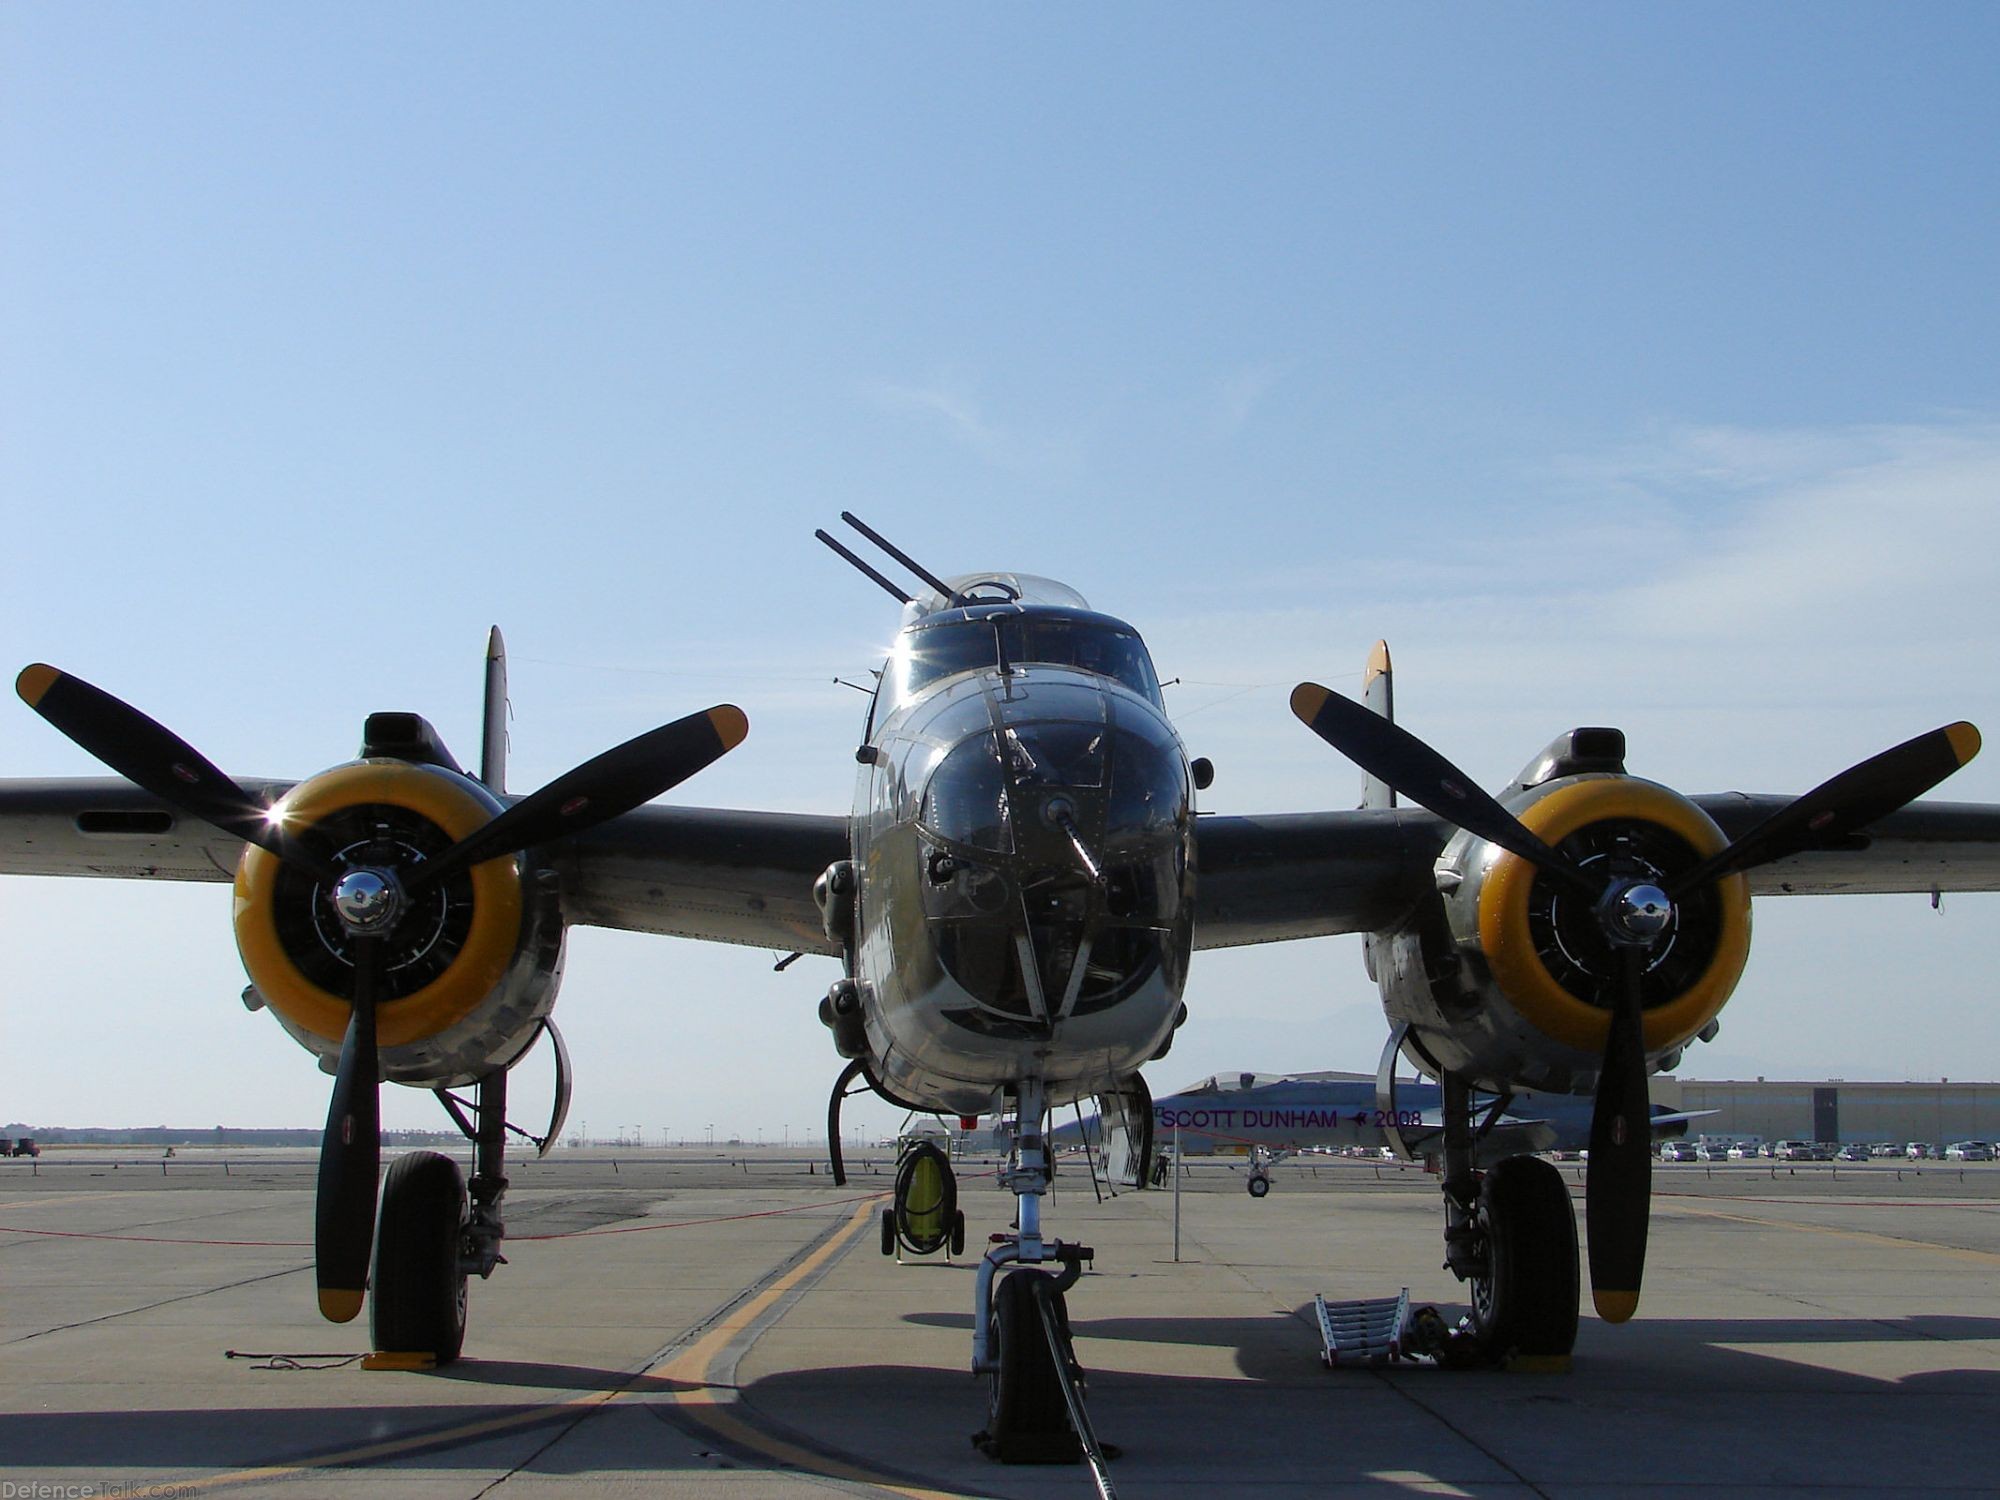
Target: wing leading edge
723,876
742,877
1297,875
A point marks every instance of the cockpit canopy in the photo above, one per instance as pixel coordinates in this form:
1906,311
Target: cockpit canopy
951,641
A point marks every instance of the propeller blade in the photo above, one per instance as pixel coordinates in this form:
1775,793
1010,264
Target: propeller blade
156,759
1618,1184
1406,763
1850,801
350,1153
597,791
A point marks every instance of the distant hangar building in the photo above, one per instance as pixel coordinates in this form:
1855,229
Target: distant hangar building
1836,1110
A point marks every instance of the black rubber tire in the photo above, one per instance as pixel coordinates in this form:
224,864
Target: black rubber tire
888,1231
1027,1420
958,1231
1527,1303
1258,1186
418,1302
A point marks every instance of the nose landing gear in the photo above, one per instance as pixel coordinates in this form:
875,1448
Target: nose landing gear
1020,1331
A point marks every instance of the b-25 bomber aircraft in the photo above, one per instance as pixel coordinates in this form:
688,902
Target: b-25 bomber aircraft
1013,901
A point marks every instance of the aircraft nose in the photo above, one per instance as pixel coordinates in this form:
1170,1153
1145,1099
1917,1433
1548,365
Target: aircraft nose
1057,877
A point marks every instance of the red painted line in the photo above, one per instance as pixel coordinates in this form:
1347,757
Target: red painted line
149,1239
574,1234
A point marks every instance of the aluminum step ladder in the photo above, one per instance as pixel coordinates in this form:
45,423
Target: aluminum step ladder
1365,1331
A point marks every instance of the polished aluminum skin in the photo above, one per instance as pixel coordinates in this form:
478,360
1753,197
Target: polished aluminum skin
1023,835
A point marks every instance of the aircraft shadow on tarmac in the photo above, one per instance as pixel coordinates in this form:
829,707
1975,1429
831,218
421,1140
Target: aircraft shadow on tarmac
1651,1379
1282,1348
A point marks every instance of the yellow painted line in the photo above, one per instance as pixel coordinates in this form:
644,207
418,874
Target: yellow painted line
1861,1236
701,1404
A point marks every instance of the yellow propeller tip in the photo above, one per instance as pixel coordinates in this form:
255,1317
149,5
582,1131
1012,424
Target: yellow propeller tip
338,1305
1615,1307
1964,740
1308,698
731,724
34,681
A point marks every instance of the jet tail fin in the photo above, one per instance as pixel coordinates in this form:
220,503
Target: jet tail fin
1378,692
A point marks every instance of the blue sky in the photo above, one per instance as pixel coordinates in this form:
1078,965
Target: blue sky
1622,365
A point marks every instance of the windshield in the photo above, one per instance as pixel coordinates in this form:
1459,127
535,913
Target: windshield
933,652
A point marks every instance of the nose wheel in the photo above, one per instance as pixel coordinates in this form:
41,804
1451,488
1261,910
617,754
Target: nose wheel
1027,1415
1020,1329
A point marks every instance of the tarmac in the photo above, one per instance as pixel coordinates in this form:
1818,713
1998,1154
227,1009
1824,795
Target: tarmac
723,1323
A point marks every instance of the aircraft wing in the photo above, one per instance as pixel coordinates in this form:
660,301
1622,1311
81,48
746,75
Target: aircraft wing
1946,846
107,827
746,877
703,872
1268,878
725,876
1271,877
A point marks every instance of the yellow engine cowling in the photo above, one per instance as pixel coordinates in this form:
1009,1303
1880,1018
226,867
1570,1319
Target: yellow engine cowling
472,968
1512,988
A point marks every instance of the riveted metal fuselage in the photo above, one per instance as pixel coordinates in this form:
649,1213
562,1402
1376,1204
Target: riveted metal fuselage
1022,837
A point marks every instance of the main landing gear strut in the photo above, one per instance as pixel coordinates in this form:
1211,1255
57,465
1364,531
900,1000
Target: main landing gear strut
1020,1330
1510,1233
435,1231
431,1236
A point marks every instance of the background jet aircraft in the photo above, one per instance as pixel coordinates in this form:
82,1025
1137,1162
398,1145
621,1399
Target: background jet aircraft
1269,1116
1013,902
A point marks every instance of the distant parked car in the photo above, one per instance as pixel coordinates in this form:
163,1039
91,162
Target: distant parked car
1744,1151
1969,1151
1713,1151
1793,1151
1676,1151
1854,1151
1917,1150
27,1146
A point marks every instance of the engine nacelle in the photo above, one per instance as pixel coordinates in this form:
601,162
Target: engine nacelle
472,968
1507,978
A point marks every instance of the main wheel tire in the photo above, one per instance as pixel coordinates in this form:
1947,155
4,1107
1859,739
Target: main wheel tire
888,1231
1259,1186
1527,1301
958,1231
418,1306
1027,1420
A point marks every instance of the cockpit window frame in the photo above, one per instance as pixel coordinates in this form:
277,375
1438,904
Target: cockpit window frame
1025,630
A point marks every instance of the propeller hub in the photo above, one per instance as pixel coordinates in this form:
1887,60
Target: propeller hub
369,901
1637,913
